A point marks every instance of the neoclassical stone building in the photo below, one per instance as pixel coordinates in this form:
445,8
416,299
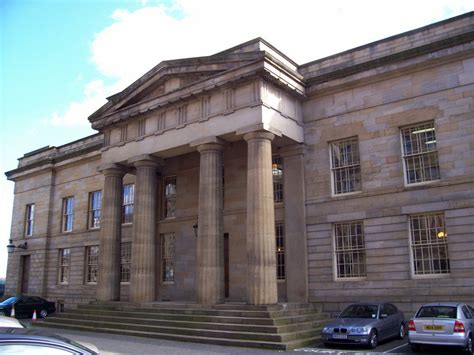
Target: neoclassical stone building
244,176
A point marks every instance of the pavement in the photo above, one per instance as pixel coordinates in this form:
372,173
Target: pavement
113,344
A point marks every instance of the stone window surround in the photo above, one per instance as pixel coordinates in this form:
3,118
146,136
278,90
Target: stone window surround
29,219
354,166
92,223
420,155
64,263
361,251
444,244
67,216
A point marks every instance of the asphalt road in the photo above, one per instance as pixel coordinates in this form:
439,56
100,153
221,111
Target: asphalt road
112,344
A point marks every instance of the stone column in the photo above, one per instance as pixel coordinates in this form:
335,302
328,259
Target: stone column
295,224
143,278
108,287
262,281
210,248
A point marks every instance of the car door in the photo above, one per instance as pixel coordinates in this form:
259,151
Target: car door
384,322
469,318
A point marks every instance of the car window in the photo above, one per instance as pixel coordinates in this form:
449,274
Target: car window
390,309
28,349
466,312
360,311
437,312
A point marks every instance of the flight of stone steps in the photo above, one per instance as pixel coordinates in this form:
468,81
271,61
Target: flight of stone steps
279,327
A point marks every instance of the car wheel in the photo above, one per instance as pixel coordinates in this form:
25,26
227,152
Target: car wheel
373,339
469,346
415,347
401,331
43,313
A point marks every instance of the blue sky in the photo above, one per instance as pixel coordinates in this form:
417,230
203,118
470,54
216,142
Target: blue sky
60,59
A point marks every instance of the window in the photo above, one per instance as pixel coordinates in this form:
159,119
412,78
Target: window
127,203
170,197
95,204
280,250
141,127
92,263
167,257
345,165
64,262
68,214
349,250
29,219
277,172
429,244
125,262
420,157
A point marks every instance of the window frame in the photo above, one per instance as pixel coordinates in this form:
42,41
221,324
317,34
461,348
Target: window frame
337,277
411,248
125,261
172,197
278,179
67,216
334,169
280,243
91,218
64,267
29,219
405,156
91,266
126,205
165,259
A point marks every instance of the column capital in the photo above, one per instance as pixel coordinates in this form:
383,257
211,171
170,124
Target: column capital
291,150
112,169
145,160
259,135
210,147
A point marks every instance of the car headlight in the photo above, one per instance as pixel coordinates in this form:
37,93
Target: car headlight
359,330
326,330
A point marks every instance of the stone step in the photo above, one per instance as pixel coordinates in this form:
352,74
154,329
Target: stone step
97,308
199,339
233,333
308,323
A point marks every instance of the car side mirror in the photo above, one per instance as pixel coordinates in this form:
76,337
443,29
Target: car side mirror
383,315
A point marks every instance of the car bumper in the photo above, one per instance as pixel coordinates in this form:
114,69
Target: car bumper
351,339
457,339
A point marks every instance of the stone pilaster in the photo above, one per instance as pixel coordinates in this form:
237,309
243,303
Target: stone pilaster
262,282
143,278
108,287
295,224
210,249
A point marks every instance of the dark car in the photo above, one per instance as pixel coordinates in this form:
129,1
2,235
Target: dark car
38,341
365,324
26,305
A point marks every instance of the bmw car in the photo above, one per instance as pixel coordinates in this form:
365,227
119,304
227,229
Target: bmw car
365,324
25,306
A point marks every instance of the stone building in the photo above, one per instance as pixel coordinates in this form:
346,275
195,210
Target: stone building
244,176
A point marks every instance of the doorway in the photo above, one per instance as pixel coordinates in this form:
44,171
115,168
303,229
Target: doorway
25,274
226,265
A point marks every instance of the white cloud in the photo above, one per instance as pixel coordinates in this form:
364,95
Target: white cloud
305,30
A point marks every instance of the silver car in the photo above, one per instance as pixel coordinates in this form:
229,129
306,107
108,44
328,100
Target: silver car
447,323
365,324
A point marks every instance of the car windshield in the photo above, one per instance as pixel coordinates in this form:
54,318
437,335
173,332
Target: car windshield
360,311
9,301
437,312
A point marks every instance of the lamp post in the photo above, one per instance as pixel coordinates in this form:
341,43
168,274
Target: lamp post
11,247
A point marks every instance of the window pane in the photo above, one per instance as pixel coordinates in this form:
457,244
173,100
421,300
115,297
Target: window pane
349,250
95,209
125,265
167,256
92,255
127,203
170,197
280,250
345,166
277,173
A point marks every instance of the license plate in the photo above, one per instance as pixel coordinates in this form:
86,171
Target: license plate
339,336
434,328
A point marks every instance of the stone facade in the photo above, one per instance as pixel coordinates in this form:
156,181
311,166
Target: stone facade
213,124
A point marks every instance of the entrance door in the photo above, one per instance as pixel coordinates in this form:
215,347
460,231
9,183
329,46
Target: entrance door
25,274
226,265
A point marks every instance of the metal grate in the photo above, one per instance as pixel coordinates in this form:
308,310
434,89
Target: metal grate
419,153
280,250
350,250
345,164
167,256
125,262
429,244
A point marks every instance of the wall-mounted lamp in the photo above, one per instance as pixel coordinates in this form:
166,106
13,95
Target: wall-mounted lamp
11,247
195,227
